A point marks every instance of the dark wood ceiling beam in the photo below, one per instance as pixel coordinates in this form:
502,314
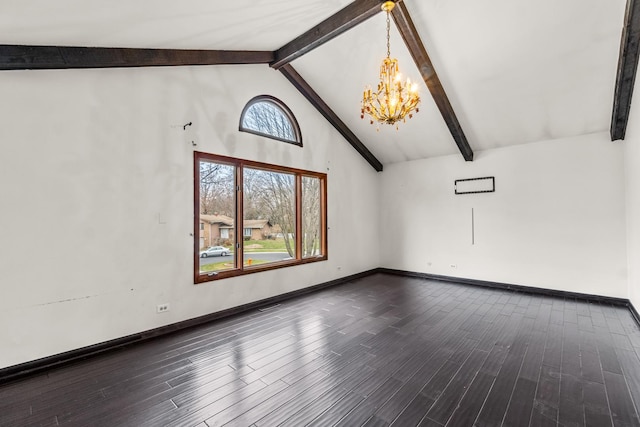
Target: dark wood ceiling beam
627,69
411,38
21,57
347,18
296,79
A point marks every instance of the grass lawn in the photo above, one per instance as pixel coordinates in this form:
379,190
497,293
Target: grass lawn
217,266
276,245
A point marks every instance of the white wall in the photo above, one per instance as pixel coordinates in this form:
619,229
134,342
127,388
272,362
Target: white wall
97,200
556,220
632,178
96,192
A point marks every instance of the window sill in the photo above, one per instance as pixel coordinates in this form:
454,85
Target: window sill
213,276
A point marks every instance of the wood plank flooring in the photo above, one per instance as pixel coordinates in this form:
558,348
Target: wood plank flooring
379,351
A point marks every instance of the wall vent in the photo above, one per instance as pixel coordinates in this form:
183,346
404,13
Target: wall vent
486,184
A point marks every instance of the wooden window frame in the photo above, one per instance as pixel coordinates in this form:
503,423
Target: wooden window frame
239,268
280,106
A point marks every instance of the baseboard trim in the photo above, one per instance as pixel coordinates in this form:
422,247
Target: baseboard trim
634,313
23,370
518,288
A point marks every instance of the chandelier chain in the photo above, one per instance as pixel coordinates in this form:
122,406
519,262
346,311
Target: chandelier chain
388,38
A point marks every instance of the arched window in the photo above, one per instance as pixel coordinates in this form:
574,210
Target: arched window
267,116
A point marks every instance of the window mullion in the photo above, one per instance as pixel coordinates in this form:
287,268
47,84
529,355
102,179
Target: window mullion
298,191
238,220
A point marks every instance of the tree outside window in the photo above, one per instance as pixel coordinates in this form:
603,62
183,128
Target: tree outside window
267,116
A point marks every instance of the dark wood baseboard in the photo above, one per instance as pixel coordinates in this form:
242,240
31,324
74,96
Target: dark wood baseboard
23,370
634,313
518,288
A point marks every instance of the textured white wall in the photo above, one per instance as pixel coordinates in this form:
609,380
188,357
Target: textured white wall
632,180
97,200
96,192
632,169
556,220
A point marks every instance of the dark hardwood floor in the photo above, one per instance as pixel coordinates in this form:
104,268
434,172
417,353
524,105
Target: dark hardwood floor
382,350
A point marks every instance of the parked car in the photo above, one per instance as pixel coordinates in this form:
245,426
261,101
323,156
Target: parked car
215,251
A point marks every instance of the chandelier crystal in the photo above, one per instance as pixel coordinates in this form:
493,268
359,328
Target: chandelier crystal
394,99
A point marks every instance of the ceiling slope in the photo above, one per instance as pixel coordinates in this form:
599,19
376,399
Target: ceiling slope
518,71
421,58
296,79
162,24
336,24
514,71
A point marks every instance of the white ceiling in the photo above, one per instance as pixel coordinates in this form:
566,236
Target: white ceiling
515,71
184,24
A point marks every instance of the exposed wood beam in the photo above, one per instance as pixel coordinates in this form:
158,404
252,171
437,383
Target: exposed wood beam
345,19
627,68
421,58
296,79
21,57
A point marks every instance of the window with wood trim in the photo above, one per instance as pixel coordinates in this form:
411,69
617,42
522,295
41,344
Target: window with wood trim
267,116
258,216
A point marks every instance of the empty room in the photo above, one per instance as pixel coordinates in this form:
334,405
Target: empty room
305,212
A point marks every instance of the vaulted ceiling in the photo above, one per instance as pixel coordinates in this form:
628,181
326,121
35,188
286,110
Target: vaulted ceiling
512,71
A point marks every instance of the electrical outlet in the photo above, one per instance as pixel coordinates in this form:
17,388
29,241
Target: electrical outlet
452,265
162,308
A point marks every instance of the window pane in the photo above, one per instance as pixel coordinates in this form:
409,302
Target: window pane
311,217
269,216
267,118
217,210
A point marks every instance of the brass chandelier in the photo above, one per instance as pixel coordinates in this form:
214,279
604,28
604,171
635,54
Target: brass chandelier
394,99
